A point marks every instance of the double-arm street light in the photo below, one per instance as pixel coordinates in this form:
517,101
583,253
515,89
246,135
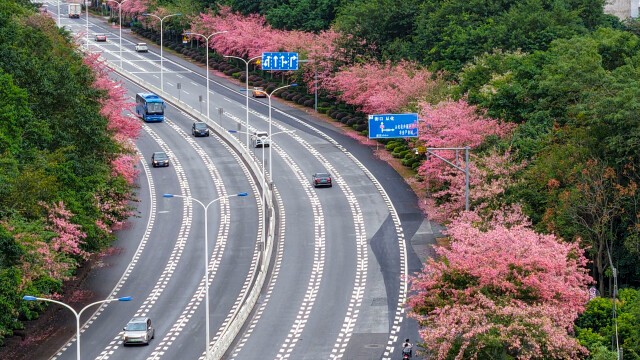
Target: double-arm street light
77,314
246,62
206,256
269,96
207,55
161,46
86,9
120,2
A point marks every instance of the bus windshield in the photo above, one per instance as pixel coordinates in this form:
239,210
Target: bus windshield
155,108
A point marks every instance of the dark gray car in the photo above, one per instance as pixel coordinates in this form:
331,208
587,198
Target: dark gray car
199,129
159,158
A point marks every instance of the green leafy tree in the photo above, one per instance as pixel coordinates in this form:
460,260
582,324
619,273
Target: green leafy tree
377,28
451,33
596,326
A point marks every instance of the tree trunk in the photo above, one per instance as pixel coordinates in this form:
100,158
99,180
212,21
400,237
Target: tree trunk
600,267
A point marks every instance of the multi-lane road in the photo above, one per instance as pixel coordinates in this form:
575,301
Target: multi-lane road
327,266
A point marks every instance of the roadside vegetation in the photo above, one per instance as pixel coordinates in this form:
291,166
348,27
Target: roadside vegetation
66,160
544,92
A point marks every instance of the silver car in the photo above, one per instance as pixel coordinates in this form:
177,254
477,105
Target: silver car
138,331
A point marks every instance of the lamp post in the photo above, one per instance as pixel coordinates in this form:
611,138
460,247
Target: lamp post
206,256
120,2
77,314
271,144
161,47
269,96
58,13
207,43
246,62
86,9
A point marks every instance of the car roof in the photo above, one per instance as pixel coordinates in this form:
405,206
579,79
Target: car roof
138,319
160,153
142,43
322,174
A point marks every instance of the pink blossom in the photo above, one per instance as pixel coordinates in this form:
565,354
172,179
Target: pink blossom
501,280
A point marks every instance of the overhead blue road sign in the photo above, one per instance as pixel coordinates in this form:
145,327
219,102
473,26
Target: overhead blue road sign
386,126
279,61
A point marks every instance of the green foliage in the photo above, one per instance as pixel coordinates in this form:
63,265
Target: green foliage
305,15
54,146
595,327
378,28
451,33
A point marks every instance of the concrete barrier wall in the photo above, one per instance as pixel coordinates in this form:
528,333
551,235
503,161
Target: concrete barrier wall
242,313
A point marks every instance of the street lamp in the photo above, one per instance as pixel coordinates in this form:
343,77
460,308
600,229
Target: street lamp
86,8
161,54
246,62
269,96
77,314
207,43
206,255
120,2
58,13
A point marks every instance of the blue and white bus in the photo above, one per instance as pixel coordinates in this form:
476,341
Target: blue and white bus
150,107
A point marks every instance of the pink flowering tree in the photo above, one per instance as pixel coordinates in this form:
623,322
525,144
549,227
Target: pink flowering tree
380,88
114,205
458,124
68,236
130,7
500,289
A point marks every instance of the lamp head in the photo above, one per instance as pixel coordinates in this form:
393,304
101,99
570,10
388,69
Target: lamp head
167,195
125,298
29,298
242,194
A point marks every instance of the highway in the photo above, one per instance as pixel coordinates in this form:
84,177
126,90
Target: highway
334,286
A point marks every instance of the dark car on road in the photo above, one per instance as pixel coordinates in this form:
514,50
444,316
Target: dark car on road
159,158
321,179
199,129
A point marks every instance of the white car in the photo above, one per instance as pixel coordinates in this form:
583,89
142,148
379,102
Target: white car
142,47
260,139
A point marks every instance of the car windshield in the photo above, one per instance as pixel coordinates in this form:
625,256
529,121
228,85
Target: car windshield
160,156
142,44
136,327
201,126
322,175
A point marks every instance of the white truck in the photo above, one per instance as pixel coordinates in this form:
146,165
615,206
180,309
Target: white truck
74,11
260,138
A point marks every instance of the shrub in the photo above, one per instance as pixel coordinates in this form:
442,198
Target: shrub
340,115
345,119
363,128
323,110
351,121
296,97
301,100
309,103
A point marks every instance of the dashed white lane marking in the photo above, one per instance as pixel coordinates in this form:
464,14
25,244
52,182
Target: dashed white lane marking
176,252
274,276
318,261
361,263
402,291
220,244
